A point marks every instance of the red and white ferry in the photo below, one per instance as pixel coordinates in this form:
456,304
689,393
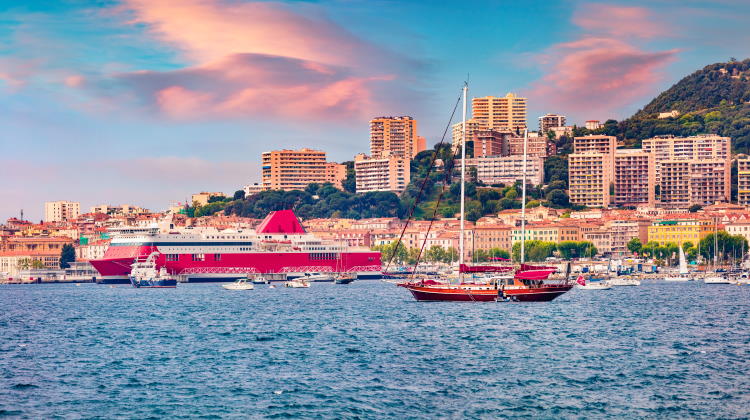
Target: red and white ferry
279,245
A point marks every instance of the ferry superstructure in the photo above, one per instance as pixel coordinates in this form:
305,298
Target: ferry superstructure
279,245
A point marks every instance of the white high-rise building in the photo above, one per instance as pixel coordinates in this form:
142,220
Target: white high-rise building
60,211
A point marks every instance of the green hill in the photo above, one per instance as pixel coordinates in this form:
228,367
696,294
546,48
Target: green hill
715,99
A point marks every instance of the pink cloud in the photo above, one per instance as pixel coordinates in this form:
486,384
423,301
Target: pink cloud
259,85
207,30
599,75
74,80
619,21
603,71
260,59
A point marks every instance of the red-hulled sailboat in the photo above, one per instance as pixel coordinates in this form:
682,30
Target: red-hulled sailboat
525,284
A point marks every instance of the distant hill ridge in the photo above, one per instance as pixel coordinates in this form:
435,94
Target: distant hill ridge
715,99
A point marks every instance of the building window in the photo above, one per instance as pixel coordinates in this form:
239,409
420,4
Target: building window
173,257
199,257
217,257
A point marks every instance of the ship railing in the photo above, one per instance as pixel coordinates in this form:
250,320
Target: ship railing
219,270
307,269
364,268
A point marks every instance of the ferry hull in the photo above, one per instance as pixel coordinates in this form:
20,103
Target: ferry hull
115,266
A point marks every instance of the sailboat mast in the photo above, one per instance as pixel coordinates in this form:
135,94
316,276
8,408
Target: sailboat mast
523,196
463,181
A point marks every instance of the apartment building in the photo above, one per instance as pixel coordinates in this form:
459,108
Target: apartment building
508,169
490,143
623,231
61,211
590,178
701,147
549,121
384,173
294,169
491,236
397,135
595,143
548,232
689,182
634,178
743,180
679,231
499,113
537,146
458,132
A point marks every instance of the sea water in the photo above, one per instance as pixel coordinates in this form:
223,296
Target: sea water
368,350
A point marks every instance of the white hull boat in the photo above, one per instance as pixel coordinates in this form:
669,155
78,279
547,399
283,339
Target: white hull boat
598,285
683,274
297,284
241,284
716,279
624,281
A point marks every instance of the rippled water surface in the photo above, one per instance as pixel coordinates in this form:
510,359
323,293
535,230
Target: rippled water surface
367,350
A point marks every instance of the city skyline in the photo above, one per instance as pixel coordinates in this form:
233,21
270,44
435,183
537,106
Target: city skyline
118,103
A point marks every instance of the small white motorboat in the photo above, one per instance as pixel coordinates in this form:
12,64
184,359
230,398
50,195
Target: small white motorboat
592,285
716,278
240,284
624,281
297,283
320,277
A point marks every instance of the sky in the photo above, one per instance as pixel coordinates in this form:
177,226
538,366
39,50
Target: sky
145,102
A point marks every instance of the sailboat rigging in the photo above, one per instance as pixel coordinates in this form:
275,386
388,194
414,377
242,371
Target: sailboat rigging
527,283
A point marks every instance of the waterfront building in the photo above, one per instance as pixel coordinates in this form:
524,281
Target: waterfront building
122,210
741,227
634,178
549,121
490,143
499,113
383,173
61,211
294,169
397,135
548,232
679,230
623,231
491,236
743,180
689,182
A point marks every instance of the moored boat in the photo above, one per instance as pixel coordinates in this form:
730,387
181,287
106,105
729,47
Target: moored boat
592,285
240,284
144,274
298,283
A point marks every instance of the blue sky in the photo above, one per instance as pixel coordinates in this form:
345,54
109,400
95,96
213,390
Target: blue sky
145,102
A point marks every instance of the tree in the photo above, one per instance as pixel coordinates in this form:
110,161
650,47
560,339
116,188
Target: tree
67,256
694,208
239,195
535,250
436,253
635,246
350,182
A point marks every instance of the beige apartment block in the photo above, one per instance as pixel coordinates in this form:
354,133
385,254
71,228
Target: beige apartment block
688,182
634,178
537,146
702,147
549,121
590,178
60,211
294,169
743,180
202,198
508,169
458,134
595,143
383,173
490,143
499,113
397,135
